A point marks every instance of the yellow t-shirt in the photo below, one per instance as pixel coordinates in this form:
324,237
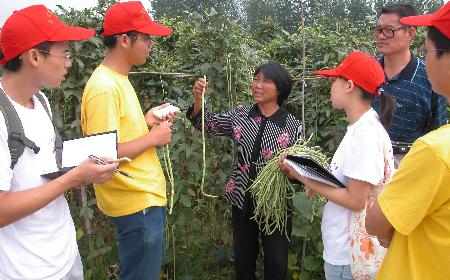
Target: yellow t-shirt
110,103
417,204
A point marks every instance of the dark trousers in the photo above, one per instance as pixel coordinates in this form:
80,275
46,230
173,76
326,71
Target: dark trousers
246,248
141,243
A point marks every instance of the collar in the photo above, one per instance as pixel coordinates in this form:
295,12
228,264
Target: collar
279,117
407,73
370,114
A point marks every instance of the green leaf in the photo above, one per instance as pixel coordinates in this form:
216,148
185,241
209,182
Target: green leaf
311,263
302,204
186,200
292,262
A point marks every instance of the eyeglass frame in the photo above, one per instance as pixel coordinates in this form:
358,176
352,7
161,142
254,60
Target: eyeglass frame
67,54
422,51
377,31
147,40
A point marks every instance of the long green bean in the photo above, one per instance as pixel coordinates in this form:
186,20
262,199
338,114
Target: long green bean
271,189
168,163
202,186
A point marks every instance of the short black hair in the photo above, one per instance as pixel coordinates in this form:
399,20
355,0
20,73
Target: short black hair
15,63
401,9
111,41
276,73
440,41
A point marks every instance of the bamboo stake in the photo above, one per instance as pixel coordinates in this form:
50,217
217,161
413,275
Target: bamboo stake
175,75
304,68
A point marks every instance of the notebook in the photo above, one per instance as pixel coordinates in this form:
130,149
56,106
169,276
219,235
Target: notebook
308,167
76,150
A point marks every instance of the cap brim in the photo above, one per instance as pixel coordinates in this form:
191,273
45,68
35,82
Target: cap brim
327,73
423,20
72,33
155,29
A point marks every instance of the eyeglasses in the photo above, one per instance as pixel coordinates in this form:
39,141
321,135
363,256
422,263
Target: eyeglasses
422,52
67,55
146,39
388,32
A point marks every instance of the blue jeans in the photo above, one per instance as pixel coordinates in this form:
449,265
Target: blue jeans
141,243
337,272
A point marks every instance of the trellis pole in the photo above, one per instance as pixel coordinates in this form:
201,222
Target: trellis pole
302,97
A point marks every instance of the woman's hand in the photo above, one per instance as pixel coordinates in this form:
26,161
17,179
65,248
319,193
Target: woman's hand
198,87
309,192
290,171
293,175
284,167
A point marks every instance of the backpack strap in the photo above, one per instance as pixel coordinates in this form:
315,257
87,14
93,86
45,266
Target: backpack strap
16,136
58,139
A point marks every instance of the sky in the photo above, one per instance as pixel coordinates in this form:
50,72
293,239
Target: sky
8,6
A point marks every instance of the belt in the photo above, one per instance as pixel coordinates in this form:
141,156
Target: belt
401,148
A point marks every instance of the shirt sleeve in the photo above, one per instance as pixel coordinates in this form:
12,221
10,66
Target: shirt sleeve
102,112
364,159
6,172
415,189
438,111
216,125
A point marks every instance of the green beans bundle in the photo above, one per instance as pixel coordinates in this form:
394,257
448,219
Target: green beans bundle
271,189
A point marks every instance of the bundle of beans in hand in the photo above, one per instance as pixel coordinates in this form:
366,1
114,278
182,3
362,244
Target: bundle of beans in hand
272,189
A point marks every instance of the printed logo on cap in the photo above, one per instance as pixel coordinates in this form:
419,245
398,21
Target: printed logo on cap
50,16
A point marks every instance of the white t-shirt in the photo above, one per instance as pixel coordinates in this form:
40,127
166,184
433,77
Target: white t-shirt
43,244
359,156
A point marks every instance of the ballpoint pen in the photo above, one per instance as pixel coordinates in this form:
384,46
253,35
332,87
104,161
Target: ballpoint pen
102,162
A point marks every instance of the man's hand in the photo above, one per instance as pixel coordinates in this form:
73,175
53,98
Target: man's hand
161,133
377,224
91,172
151,119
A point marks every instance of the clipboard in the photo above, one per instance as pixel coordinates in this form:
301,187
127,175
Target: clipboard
78,149
308,167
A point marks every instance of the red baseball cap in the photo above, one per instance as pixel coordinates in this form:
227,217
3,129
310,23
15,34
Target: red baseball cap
33,25
364,70
440,19
127,16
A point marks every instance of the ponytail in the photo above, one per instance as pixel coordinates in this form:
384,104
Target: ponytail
387,109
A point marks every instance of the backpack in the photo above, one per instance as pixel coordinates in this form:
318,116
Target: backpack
17,141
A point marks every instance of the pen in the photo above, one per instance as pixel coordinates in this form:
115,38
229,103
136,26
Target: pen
158,123
102,162
122,159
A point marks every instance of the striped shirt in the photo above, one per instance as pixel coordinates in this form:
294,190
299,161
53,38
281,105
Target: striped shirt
256,138
419,109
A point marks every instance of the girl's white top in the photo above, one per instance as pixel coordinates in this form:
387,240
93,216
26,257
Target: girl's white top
360,156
